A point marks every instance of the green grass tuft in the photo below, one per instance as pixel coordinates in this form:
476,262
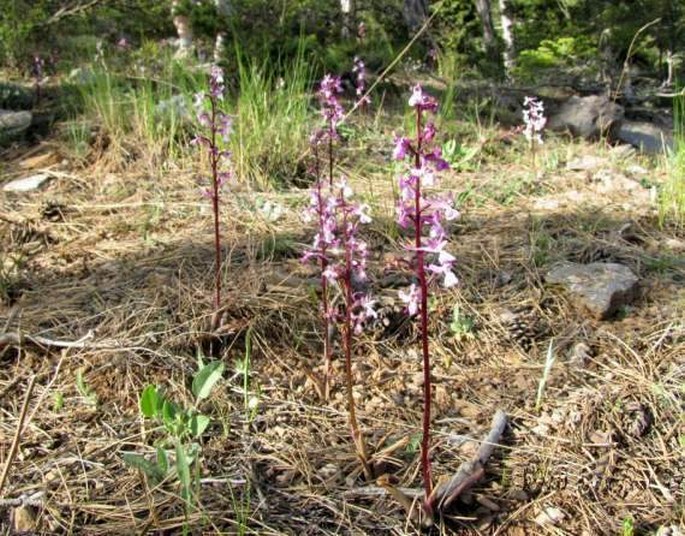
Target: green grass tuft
672,199
273,121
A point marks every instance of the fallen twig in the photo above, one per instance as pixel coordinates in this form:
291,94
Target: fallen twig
17,339
17,433
448,489
473,470
35,499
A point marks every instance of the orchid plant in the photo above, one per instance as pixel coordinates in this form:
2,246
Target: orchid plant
218,127
322,204
426,213
534,121
38,70
361,74
340,252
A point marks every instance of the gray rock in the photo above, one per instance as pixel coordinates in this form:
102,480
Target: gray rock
27,183
13,125
589,117
623,151
15,97
176,107
585,163
601,288
81,75
647,137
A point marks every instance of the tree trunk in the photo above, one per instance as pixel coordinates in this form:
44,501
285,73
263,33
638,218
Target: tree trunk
508,55
184,31
415,13
348,9
224,11
485,14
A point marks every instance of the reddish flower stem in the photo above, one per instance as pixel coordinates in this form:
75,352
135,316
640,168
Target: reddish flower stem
347,344
330,157
423,283
324,286
214,159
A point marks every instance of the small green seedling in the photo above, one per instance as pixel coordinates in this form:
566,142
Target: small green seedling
84,389
462,325
183,426
628,528
58,401
242,368
414,443
460,157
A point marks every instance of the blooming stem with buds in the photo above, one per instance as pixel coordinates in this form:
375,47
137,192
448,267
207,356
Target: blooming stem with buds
357,306
534,120
340,253
219,125
359,69
425,214
37,70
332,112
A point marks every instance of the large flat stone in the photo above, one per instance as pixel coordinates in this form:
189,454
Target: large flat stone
590,117
27,184
600,287
647,137
13,125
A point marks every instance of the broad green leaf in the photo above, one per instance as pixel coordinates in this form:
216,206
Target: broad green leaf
162,460
148,401
153,472
169,413
198,424
183,470
206,378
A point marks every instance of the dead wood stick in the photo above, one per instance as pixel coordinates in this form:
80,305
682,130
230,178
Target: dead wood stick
16,339
17,434
473,470
35,499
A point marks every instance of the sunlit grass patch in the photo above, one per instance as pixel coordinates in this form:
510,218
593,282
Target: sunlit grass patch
672,200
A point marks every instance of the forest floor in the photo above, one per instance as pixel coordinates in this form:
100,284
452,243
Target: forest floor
117,254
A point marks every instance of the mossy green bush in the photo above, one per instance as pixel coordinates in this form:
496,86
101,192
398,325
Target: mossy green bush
575,55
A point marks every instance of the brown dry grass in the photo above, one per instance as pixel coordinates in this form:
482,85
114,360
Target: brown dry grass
125,256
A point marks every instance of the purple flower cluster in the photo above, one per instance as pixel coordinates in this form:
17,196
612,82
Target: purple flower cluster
338,248
219,125
534,119
38,68
331,109
359,69
426,213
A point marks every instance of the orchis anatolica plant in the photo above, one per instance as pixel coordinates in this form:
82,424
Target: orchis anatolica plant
534,120
339,251
37,70
347,265
332,112
218,125
342,256
426,214
359,69
320,209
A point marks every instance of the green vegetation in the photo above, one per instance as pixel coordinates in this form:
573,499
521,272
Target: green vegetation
272,120
672,205
183,428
